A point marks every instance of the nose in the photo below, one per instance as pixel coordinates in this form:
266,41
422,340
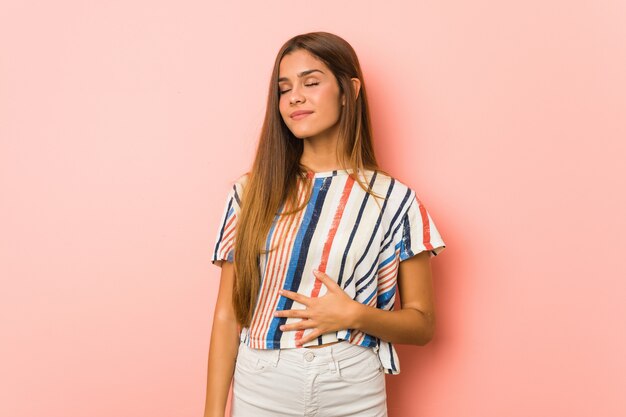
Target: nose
295,97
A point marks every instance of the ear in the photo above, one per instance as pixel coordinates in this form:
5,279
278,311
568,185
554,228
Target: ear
356,85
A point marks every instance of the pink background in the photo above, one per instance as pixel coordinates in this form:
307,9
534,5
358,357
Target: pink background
122,124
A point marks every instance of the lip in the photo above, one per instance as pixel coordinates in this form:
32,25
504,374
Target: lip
300,114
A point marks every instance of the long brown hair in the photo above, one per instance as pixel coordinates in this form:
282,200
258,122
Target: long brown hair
273,179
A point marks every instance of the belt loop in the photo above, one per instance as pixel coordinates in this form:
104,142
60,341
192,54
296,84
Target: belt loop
276,357
333,365
271,356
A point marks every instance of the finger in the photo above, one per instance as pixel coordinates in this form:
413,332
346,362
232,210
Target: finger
291,313
295,296
302,324
312,336
326,280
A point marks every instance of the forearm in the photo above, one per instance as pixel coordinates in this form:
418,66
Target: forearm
221,365
404,326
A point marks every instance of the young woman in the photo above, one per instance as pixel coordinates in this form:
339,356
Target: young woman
312,243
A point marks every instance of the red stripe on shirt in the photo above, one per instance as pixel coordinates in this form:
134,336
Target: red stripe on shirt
329,240
426,228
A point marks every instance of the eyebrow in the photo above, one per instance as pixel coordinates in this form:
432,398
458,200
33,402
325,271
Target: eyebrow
302,74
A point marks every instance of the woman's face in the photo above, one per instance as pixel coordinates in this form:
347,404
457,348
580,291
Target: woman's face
306,84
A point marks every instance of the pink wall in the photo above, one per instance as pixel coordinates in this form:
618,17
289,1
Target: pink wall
122,123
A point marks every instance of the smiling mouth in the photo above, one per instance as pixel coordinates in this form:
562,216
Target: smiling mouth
300,116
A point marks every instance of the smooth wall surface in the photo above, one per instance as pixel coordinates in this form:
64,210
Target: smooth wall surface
122,124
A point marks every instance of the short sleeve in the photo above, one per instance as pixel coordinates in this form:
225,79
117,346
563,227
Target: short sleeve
224,247
418,231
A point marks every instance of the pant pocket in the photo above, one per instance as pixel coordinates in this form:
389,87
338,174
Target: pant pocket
249,363
360,368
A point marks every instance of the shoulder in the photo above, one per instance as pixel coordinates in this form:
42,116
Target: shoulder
238,183
241,180
235,190
397,192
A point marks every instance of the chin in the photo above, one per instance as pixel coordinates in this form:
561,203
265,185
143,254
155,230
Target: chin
301,135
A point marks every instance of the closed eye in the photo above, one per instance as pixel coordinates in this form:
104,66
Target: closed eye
306,85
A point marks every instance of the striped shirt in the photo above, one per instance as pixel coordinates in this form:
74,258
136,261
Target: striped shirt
344,232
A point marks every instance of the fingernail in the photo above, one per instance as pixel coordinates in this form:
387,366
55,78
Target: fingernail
316,271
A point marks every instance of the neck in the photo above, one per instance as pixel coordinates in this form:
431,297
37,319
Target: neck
319,153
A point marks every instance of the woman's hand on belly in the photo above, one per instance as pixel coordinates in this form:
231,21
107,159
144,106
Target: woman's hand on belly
333,311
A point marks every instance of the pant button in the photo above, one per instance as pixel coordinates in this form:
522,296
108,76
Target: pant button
309,356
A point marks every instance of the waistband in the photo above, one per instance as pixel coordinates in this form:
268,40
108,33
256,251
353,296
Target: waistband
328,355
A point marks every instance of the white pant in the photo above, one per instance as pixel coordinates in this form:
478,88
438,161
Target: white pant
332,381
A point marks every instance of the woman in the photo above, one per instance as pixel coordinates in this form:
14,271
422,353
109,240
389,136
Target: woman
294,341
